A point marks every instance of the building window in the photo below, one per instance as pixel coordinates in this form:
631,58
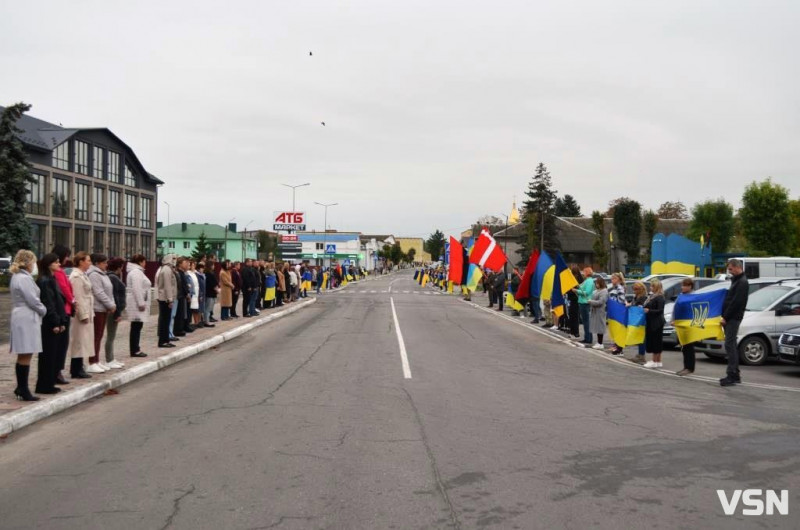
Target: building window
98,242
38,239
61,156
186,244
81,157
61,236
130,210
60,198
82,203
130,179
145,206
97,162
113,166
81,239
171,244
320,246
113,244
98,205
130,244
147,244
35,201
113,207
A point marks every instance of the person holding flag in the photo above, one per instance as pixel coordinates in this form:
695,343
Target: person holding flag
639,298
598,312
573,310
654,330
689,359
617,293
584,292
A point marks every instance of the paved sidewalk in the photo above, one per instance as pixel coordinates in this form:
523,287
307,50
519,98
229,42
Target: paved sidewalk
149,343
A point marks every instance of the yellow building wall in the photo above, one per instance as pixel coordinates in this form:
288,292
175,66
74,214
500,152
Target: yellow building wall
407,243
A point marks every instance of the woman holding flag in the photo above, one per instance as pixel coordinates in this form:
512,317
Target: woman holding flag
639,298
654,329
598,311
617,293
687,286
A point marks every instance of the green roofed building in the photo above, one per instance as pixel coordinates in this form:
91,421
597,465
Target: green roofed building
224,242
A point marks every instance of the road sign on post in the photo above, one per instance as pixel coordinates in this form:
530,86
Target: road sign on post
330,249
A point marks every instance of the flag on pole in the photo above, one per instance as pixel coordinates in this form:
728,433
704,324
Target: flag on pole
487,253
456,257
543,266
473,277
524,289
568,281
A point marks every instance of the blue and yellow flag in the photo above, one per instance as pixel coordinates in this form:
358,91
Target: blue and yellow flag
270,283
563,282
474,276
618,323
416,275
539,283
698,316
512,302
636,325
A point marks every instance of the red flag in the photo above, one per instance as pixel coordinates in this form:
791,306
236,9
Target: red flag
524,289
456,262
487,253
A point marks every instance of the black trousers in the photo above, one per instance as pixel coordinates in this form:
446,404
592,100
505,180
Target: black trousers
136,335
63,346
48,369
164,315
233,307
499,296
688,356
179,326
574,317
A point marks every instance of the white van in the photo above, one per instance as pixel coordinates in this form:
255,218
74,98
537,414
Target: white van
780,267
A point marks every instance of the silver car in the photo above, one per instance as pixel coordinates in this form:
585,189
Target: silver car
770,311
671,338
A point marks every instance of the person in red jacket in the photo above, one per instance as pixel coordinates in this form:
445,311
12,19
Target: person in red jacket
63,254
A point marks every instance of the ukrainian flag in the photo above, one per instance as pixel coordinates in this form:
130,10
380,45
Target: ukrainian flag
636,325
539,283
324,281
618,323
563,281
269,295
424,281
512,302
698,316
474,276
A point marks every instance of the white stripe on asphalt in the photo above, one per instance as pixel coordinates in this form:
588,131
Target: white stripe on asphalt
406,292
403,355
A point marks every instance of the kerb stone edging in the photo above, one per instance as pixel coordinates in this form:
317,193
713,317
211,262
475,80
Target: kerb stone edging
14,421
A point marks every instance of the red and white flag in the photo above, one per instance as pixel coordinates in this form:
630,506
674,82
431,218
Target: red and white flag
487,253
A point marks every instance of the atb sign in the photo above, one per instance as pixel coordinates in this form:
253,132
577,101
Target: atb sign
289,221
289,238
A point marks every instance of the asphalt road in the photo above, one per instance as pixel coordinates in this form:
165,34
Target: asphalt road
310,423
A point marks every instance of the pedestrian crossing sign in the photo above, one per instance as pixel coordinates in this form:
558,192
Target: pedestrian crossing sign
330,249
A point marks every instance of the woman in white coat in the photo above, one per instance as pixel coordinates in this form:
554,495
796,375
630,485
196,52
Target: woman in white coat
81,332
137,307
26,320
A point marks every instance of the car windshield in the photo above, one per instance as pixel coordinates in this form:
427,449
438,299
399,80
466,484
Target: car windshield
763,298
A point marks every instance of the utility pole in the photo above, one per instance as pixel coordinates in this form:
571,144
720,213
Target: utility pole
325,231
243,233
505,243
169,230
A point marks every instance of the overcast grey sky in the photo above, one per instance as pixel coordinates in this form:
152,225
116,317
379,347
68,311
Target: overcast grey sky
436,112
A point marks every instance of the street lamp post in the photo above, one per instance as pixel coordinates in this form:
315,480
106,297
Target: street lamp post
325,231
225,248
243,233
505,242
294,188
169,230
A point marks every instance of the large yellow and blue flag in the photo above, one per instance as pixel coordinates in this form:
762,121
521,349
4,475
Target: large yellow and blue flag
617,319
269,292
636,325
539,284
474,275
698,316
563,282
512,302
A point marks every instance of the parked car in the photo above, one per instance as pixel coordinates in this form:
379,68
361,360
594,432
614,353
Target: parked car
789,346
671,338
629,288
770,311
672,286
664,276
5,263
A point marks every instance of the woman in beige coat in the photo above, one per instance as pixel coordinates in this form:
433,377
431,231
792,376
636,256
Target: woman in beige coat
81,334
226,291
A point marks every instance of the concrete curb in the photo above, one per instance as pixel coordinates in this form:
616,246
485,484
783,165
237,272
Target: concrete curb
14,421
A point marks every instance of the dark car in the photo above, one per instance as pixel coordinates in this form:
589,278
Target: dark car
789,346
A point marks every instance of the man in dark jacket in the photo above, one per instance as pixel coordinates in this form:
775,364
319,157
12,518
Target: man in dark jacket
249,285
732,313
236,278
499,285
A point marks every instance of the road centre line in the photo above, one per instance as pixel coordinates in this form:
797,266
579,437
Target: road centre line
401,343
623,362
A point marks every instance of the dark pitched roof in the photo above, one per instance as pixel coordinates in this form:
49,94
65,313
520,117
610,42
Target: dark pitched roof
45,136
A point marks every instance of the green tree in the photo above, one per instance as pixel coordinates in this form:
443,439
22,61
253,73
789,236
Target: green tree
650,225
201,248
599,245
628,226
396,253
714,221
434,245
411,254
612,205
672,210
567,207
267,244
541,202
767,218
15,231
795,207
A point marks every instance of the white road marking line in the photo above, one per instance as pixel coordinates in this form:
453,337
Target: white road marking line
406,292
403,354
362,291
373,291
624,362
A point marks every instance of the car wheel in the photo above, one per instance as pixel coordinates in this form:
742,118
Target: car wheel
753,351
